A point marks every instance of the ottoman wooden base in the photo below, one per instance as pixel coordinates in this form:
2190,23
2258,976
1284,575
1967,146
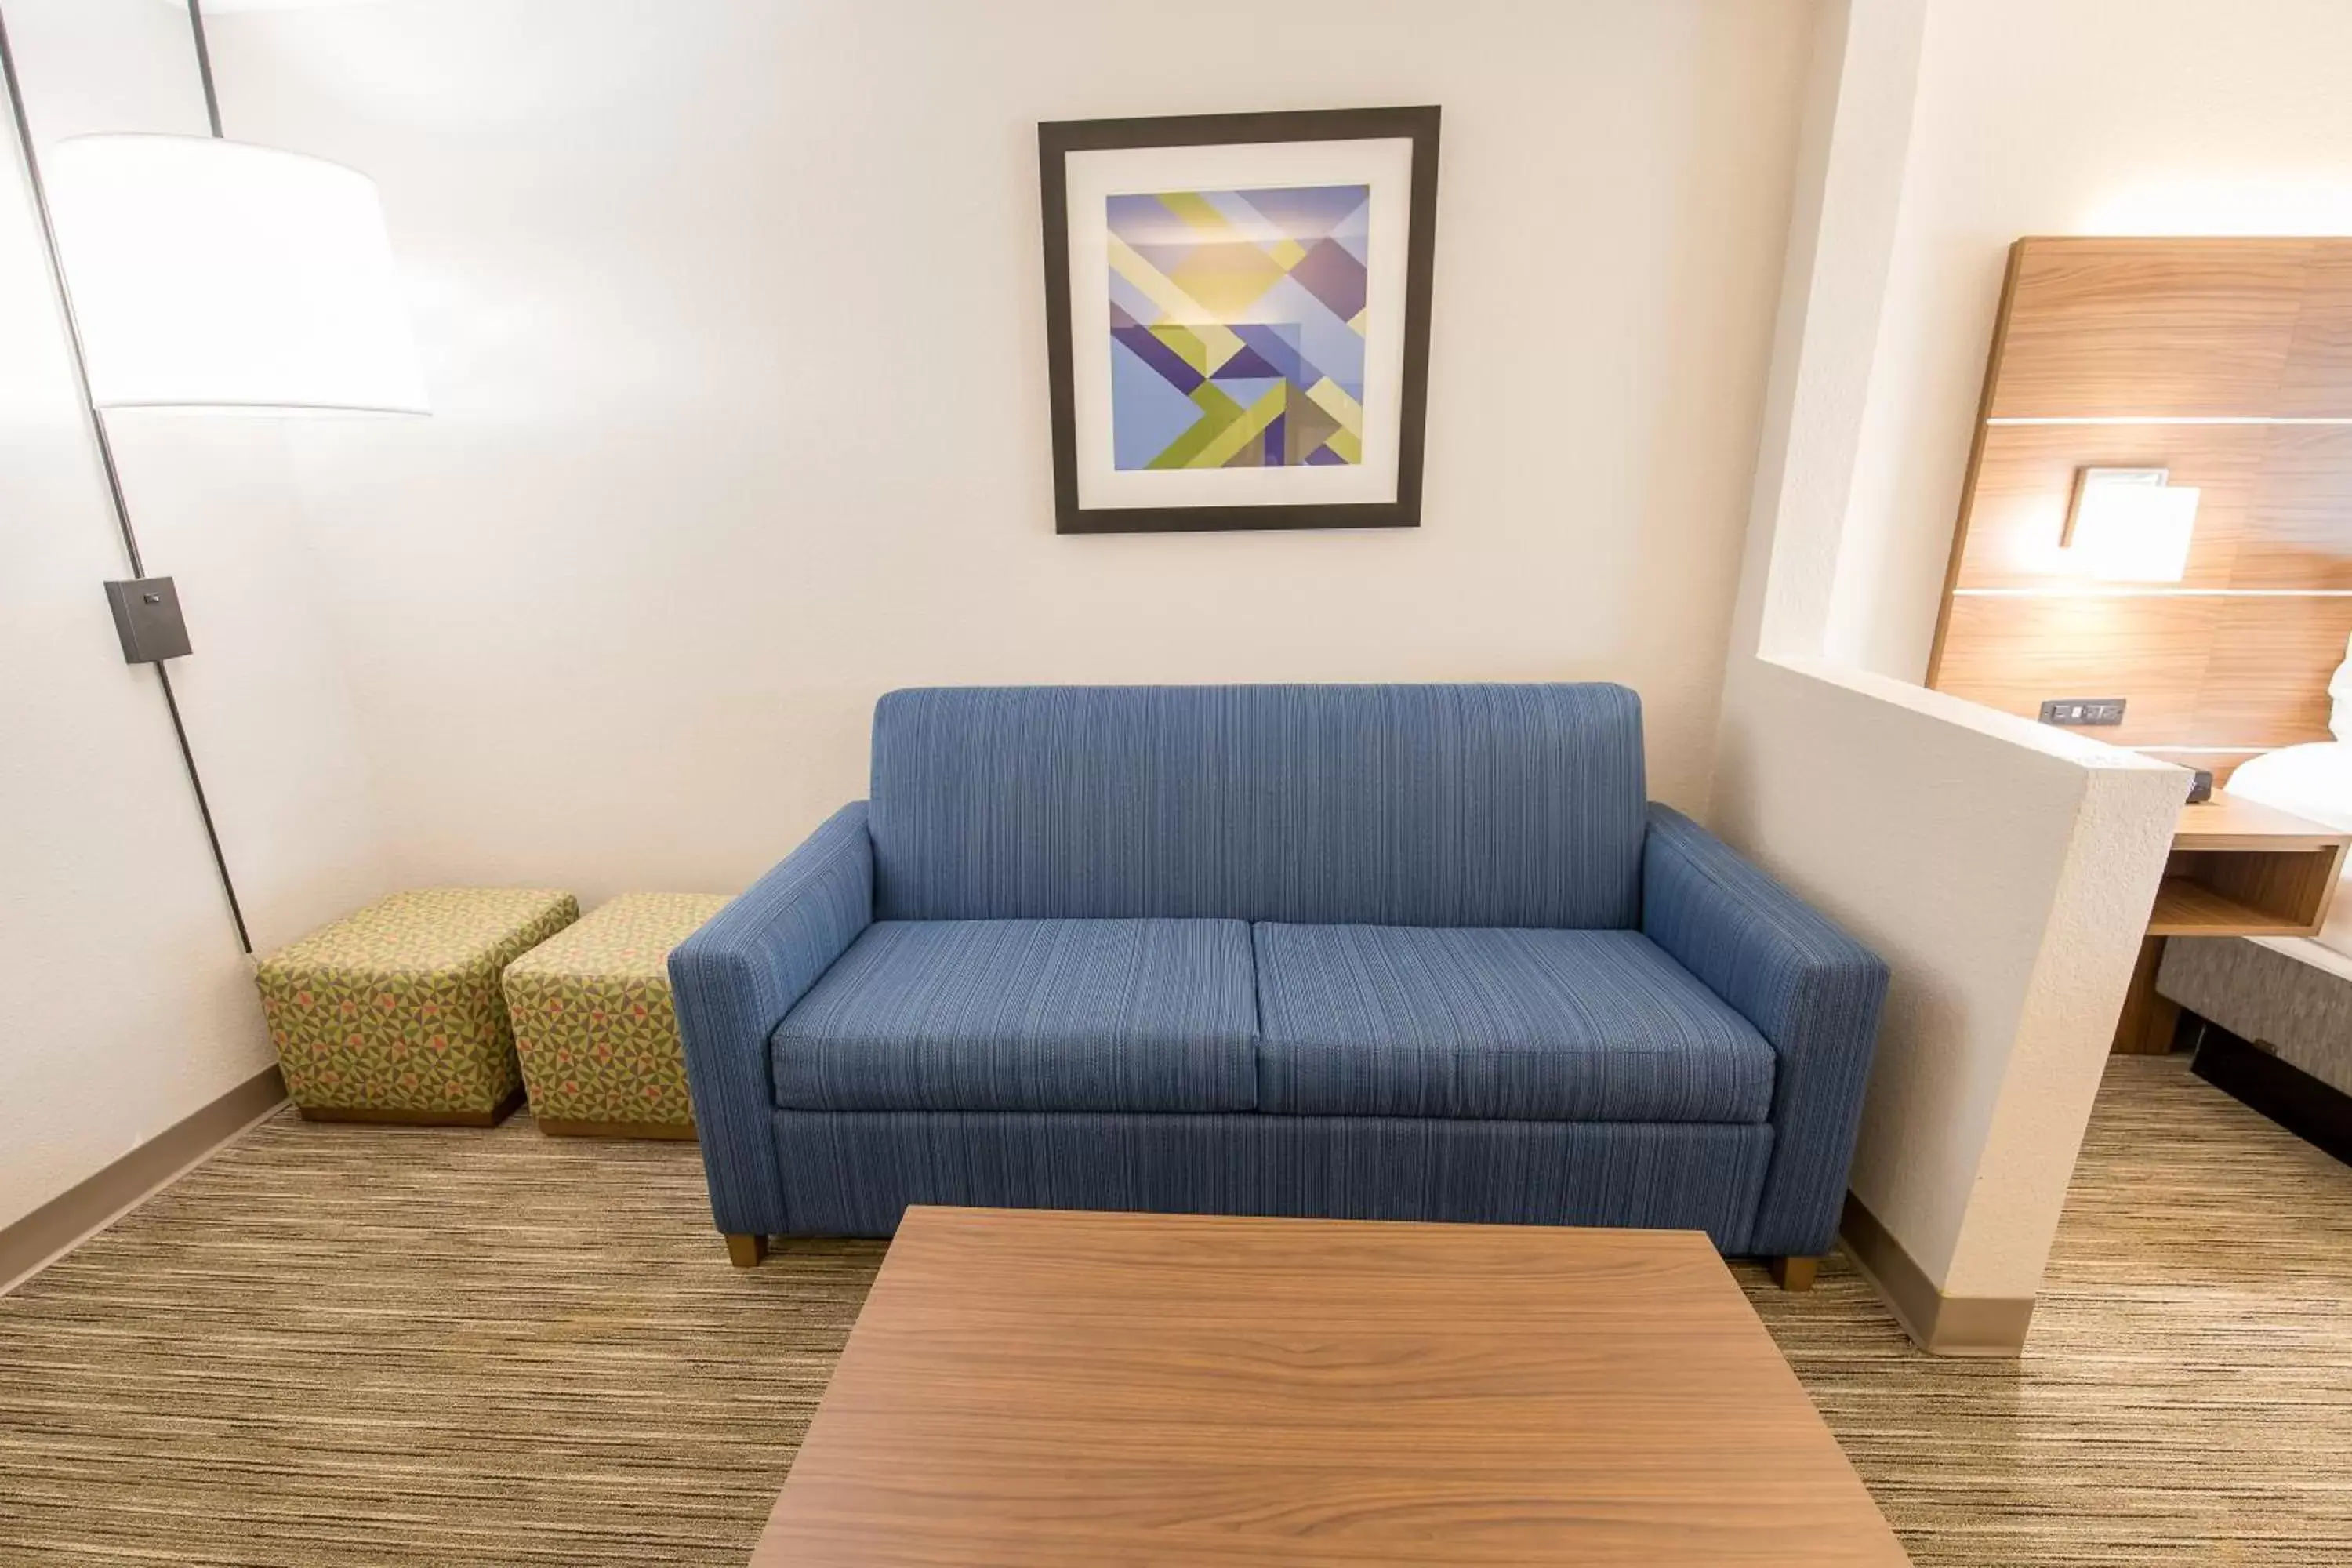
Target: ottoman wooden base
491,1118
683,1132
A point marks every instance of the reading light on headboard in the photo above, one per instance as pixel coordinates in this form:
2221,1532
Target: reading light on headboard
2128,525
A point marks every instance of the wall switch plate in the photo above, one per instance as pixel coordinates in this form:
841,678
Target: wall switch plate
147,619
2072,710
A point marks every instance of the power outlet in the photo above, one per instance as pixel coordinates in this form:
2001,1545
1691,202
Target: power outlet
2092,710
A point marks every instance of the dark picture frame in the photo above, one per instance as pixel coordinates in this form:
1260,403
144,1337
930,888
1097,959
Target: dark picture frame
1057,140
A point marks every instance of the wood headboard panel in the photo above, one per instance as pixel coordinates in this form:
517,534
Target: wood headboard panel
2227,362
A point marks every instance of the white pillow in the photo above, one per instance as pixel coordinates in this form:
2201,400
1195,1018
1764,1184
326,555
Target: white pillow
2314,781
2339,686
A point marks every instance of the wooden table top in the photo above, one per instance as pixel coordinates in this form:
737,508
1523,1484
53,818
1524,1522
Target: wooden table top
2232,821
1051,1389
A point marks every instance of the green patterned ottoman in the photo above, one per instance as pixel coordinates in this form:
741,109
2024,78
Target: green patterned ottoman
394,1013
592,1020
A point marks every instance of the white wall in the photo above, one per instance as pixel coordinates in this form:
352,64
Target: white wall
733,320
2006,878
2003,870
2031,116
131,1004
2167,117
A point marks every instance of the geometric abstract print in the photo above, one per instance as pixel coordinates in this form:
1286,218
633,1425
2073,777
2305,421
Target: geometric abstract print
1237,327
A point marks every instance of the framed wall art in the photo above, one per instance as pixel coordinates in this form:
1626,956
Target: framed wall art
1237,318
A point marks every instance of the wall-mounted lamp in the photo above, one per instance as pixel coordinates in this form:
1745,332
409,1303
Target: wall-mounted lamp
196,272
2130,525
213,274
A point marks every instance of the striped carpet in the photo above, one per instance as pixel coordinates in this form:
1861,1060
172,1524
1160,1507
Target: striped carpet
2186,1395
346,1345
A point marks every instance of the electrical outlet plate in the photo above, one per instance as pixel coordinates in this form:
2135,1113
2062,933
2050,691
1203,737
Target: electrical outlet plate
147,619
2096,711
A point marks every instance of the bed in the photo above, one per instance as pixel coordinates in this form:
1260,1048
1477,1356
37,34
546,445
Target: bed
2288,997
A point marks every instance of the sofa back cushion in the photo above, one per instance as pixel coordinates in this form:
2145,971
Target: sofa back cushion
1426,805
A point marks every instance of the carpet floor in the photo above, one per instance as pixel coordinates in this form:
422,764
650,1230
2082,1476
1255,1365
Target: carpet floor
337,1345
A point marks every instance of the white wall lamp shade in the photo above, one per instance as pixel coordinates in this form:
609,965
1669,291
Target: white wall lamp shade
2129,525
212,274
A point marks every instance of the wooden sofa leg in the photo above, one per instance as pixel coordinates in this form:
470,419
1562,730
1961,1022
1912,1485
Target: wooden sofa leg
1793,1273
745,1251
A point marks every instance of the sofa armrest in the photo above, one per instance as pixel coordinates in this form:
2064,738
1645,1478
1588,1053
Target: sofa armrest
1809,988
733,981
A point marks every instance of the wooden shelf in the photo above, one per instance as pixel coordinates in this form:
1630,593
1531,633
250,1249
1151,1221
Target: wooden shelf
2185,907
2237,870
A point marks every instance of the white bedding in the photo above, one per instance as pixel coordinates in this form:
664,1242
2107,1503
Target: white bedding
2314,781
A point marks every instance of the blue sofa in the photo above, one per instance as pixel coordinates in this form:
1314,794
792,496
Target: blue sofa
1398,952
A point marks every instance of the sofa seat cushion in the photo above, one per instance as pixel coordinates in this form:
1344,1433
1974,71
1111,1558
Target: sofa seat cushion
1130,1015
1514,1024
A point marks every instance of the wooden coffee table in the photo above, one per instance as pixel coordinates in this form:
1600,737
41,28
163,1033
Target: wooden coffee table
1050,1389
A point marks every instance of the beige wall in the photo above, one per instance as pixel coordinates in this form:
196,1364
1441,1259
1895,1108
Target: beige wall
2032,117
2166,117
2003,870
733,320
2006,877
